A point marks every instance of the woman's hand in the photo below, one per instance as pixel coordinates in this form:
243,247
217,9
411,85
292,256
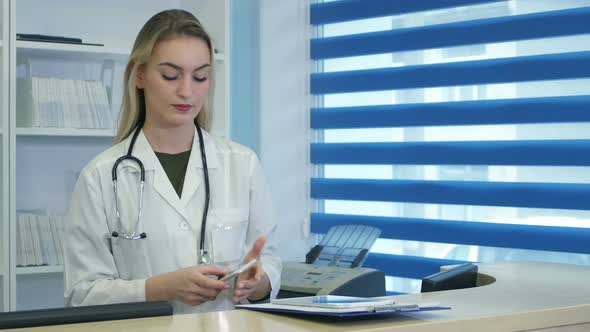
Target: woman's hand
191,285
253,284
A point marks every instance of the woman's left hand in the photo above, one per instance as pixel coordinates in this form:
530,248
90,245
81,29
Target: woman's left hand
253,284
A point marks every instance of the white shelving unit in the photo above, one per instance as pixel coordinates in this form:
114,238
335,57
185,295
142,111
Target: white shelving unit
219,57
4,153
65,132
71,51
40,269
40,164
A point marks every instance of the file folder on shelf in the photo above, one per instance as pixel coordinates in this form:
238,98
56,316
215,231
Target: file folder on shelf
340,306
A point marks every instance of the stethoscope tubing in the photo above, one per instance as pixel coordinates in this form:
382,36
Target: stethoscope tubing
135,235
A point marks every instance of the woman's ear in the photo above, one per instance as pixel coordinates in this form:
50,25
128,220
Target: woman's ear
140,77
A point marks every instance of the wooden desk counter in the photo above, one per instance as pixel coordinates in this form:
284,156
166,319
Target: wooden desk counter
523,297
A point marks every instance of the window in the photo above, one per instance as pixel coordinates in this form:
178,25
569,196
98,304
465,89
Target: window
470,118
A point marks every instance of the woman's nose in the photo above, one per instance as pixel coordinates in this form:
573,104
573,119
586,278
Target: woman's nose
184,87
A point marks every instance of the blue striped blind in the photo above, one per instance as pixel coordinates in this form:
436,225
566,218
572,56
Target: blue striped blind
460,128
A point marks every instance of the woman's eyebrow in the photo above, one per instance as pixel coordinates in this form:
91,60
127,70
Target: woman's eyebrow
177,67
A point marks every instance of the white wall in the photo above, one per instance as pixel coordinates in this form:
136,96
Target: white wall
284,125
245,73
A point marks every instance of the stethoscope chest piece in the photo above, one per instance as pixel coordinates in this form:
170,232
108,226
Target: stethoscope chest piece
204,257
132,236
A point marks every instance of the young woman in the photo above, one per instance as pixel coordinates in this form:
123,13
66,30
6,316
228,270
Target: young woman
203,206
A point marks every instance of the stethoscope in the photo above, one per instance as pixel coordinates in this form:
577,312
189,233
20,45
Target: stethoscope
136,235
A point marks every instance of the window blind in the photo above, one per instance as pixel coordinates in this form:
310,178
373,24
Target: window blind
474,148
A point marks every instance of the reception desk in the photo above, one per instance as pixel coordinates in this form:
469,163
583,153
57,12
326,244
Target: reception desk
510,297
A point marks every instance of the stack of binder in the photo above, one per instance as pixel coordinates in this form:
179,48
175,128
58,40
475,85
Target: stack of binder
62,103
39,240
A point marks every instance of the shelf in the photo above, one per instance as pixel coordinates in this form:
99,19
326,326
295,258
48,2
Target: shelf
65,51
74,51
39,269
61,132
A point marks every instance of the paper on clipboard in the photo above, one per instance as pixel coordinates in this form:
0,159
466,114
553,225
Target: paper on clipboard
336,301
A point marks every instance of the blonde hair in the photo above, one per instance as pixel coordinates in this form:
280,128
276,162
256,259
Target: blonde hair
165,25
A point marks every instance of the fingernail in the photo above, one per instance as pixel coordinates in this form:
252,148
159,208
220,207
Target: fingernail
226,286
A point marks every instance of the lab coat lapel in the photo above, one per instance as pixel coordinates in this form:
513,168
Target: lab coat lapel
161,183
194,177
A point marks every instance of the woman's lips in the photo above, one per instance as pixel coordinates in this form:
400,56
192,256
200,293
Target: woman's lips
182,107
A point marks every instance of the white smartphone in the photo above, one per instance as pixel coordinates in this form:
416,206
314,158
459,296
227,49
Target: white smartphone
236,272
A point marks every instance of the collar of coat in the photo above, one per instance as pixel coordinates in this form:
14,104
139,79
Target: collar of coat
144,152
193,179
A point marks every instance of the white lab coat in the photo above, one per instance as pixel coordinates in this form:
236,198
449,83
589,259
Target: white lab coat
100,269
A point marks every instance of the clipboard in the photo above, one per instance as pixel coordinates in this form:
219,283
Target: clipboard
341,306
269,307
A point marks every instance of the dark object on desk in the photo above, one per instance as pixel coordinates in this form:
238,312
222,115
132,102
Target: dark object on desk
462,276
74,315
313,254
52,39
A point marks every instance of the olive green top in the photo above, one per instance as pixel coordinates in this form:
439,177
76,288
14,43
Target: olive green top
175,167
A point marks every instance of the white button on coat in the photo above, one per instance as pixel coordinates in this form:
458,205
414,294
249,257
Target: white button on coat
100,269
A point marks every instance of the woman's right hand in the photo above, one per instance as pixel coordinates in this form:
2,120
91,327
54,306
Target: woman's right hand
191,285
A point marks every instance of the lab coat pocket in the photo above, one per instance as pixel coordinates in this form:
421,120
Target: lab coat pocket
227,236
131,257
